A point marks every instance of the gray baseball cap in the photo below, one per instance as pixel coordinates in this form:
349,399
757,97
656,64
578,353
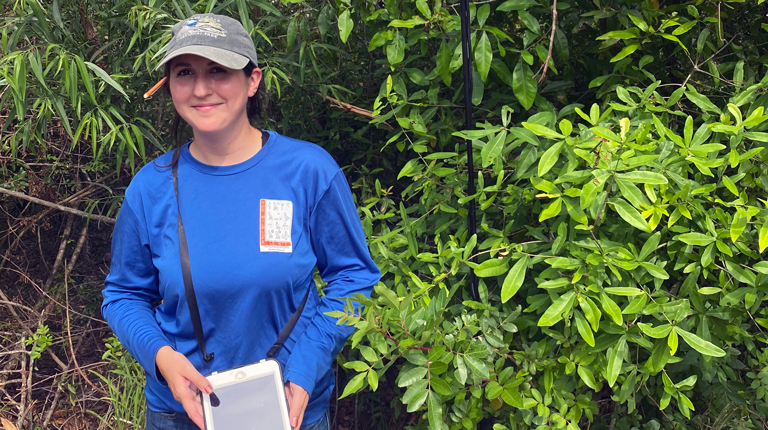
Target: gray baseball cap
218,38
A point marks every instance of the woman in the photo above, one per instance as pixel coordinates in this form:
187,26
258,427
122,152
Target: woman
260,212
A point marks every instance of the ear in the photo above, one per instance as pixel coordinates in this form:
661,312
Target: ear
253,81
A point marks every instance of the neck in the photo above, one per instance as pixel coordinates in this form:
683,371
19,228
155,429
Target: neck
226,147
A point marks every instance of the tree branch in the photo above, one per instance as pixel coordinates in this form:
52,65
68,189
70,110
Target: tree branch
551,41
18,195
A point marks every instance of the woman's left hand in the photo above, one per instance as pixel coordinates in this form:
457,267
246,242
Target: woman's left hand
297,403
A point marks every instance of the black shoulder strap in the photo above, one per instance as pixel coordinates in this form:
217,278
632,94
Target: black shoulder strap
186,273
189,290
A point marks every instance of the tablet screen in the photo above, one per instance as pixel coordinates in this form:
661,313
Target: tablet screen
248,405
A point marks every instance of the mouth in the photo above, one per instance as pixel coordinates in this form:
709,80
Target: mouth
205,107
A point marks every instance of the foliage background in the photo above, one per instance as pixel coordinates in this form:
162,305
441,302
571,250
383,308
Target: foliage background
621,196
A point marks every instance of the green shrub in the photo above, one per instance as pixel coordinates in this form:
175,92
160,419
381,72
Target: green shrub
622,260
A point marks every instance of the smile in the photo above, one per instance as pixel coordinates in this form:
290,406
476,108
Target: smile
206,107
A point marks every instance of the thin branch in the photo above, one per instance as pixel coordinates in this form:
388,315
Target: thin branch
351,108
69,336
100,218
551,41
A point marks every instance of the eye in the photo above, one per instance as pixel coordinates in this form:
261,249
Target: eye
184,72
218,70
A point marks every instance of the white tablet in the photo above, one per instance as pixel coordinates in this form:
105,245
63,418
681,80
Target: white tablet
250,397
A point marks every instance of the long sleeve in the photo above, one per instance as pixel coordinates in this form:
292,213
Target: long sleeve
344,262
130,290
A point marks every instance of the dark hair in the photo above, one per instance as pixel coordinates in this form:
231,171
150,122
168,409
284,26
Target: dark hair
253,109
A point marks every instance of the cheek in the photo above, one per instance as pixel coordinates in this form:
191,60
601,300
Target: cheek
177,93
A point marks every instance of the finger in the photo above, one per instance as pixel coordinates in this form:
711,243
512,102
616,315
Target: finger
193,411
297,405
198,380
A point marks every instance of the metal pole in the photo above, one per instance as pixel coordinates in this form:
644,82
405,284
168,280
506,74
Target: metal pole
466,50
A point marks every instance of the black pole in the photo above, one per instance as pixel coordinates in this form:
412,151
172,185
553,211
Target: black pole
466,50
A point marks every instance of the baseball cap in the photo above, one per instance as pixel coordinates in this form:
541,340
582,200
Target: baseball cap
218,38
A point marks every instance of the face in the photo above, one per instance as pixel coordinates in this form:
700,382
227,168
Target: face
208,96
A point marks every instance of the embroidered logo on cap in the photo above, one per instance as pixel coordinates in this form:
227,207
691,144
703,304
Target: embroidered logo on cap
275,222
202,27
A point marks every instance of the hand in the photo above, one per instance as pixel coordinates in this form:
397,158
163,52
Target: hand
184,381
297,403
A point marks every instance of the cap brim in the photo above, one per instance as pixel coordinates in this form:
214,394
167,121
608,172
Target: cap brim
221,56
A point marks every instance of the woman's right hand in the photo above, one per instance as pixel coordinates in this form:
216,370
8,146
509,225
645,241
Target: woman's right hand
184,381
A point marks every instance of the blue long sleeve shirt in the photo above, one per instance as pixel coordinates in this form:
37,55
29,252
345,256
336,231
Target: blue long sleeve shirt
256,231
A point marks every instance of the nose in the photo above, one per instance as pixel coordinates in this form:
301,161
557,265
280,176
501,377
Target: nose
203,86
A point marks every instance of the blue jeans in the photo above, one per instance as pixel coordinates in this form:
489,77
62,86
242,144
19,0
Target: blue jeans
180,421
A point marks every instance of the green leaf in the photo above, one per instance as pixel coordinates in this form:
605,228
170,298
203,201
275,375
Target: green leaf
477,366
583,327
483,56
515,5
354,385
411,376
554,313
615,360
694,238
345,25
636,305
514,279
761,267
650,245
763,240
416,395
624,291
530,21
440,386
549,158
373,379
730,185
409,23
552,210
629,214
541,130
492,267
672,342
435,411
628,50
611,308
655,271
655,332
423,7
643,177
684,28
638,21
396,49
544,185
701,101
699,344
633,194
523,84
591,311
741,275
619,35
738,225
574,211
493,148
588,378
709,290
443,62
